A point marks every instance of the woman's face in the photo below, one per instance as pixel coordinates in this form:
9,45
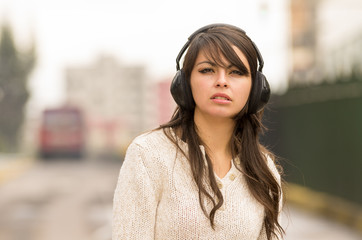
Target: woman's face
219,91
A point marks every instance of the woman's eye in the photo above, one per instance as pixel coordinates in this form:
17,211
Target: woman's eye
237,72
206,70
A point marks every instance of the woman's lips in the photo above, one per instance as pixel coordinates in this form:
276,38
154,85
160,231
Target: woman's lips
221,98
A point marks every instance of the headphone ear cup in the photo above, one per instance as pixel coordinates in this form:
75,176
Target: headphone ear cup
260,93
181,91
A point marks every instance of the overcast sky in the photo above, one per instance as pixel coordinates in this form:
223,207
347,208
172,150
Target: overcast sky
150,32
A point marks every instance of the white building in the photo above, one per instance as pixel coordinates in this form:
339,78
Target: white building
339,37
326,39
116,100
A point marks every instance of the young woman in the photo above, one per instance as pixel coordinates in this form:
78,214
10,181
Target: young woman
204,174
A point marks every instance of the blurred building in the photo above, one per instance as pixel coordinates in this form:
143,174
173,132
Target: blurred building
303,39
326,39
339,37
116,99
166,104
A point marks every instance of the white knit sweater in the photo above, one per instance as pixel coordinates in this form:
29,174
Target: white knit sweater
157,198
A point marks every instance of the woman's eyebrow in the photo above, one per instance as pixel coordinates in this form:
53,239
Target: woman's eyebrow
208,62
214,64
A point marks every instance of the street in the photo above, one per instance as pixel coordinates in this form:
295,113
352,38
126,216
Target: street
59,200
72,200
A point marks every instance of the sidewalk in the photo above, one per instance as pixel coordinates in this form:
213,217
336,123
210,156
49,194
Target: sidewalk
12,165
303,225
325,206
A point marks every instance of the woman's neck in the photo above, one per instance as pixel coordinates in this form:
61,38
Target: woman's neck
215,133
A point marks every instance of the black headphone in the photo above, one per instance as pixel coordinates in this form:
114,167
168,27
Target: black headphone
181,89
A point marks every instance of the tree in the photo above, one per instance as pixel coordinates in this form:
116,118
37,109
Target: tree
15,67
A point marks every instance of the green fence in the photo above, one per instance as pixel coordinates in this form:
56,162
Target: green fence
317,132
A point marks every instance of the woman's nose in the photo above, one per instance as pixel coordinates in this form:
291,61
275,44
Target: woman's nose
221,80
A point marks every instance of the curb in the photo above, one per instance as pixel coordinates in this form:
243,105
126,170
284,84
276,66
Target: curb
333,207
12,168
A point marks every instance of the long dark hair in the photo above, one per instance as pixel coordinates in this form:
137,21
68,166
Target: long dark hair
216,43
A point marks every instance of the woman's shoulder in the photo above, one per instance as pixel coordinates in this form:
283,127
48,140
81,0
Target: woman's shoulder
151,138
153,145
273,166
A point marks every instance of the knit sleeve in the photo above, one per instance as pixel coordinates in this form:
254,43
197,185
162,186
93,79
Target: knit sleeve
277,176
135,198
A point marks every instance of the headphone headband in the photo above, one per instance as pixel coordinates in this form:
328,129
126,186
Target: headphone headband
210,26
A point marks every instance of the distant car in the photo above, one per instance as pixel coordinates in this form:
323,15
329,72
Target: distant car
61,133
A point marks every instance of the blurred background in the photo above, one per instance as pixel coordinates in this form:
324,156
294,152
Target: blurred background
80,79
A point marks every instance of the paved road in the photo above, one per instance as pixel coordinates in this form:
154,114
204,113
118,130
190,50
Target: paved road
72,200
59,200
302,225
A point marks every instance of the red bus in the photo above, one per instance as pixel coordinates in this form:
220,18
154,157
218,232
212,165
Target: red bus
61,133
